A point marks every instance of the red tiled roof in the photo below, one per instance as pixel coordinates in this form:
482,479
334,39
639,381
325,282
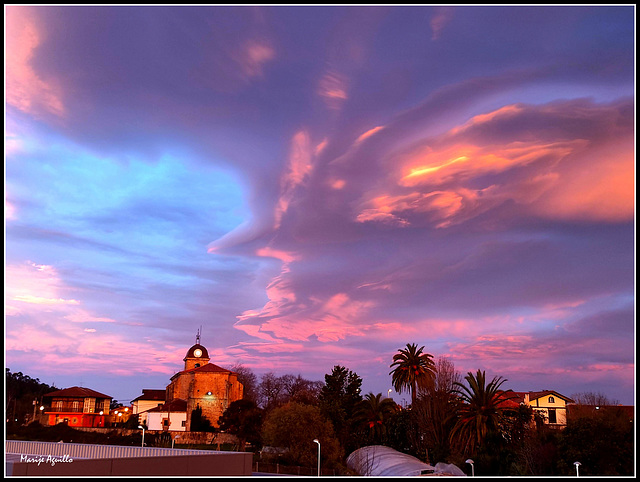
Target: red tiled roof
519,396
544,393
177,405
207,368
508,399
77,392
151,394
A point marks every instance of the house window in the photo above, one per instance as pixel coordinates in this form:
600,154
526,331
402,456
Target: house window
552,400
184,423
552,416
76,406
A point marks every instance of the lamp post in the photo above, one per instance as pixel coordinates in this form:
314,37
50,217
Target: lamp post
318,442
577,464
140,426
470,462
389,393
174,439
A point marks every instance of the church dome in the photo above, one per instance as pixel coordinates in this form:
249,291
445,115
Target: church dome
197,351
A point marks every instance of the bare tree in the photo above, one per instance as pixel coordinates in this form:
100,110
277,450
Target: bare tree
593,398
270,391
249,382
435,409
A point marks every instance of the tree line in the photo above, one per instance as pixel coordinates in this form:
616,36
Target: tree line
451,419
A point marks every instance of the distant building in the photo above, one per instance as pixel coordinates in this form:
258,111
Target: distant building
200,385
551,405
77,406
170,416
120,415
204,385
150,398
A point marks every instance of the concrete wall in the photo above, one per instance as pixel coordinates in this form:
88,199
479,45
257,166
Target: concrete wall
56,459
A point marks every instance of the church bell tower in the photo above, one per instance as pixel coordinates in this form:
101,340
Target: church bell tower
197,355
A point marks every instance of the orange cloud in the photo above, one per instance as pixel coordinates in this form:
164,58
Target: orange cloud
515,153
368,134
601,187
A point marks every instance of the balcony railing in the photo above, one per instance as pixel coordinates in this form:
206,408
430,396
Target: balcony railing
73,408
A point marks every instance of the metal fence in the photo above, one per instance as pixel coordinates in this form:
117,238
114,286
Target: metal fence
92,451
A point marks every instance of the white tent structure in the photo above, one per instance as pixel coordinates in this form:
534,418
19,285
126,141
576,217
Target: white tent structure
378,460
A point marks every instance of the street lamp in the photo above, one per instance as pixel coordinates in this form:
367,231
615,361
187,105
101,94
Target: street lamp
470,462
389,393
140,426
318,442
577,464
174,439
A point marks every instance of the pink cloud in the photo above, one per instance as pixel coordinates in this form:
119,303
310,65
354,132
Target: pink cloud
253,56
33,284
333,89
25,88
441,18
43,319
300,165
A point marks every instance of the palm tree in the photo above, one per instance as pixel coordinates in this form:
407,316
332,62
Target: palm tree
373,411
481,410
413,369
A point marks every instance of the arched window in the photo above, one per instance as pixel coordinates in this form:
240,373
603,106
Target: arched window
552,400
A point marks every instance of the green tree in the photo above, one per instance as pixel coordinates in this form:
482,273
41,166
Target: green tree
481,410
339,399
404,434
374,412
413,369
293,427
243,418
21,391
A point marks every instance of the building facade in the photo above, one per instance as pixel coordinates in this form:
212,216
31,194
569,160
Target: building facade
203,385
168,417
551,405
78,407
150,398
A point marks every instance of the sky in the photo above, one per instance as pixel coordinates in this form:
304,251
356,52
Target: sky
314,186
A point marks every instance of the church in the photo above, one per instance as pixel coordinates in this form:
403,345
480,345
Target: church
201,385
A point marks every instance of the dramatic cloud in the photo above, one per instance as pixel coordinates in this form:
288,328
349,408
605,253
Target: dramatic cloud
314,186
